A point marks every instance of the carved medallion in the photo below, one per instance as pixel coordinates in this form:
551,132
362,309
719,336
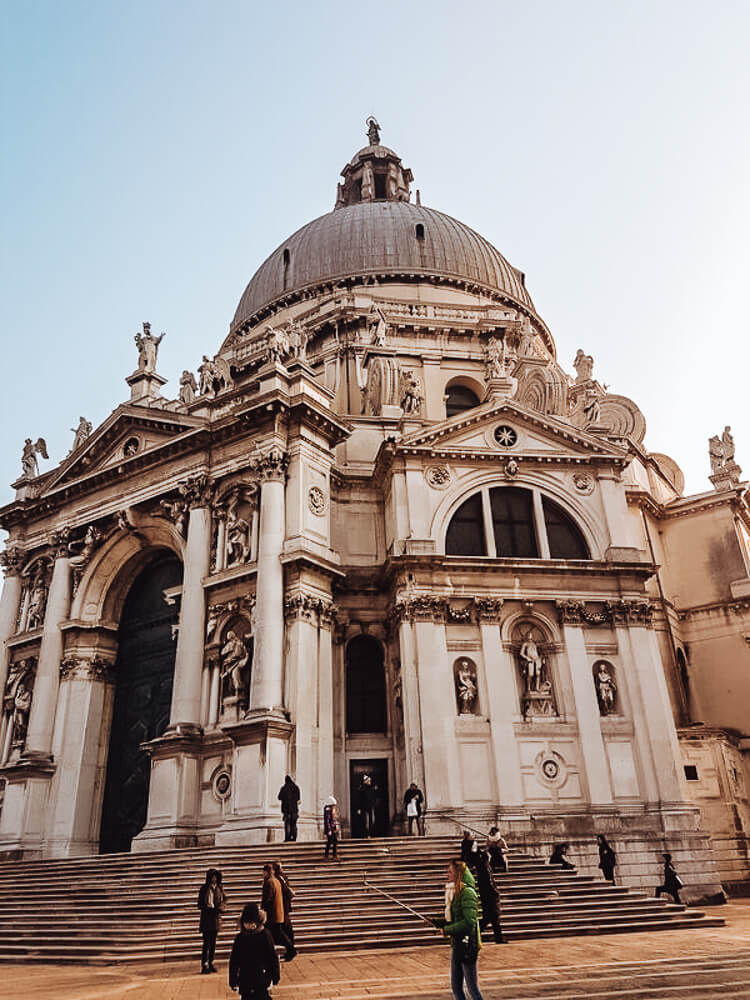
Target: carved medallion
222,784
438,476
551,769
505,436
317,500
583,482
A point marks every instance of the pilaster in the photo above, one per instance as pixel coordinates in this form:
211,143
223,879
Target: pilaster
503,700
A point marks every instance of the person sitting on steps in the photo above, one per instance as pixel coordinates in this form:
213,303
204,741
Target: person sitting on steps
559,857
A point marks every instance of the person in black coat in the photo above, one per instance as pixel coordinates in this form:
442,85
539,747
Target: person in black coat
672,881
211,900
367,799
253,964
559,857
489,896
413,807
607,858
289,797
469,850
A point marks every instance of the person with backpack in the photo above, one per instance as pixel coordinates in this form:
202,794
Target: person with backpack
289,797
253,963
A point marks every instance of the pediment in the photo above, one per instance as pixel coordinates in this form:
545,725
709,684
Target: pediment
127,434
537,434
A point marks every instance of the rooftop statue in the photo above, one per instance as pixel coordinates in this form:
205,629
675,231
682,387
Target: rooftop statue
29,463
373,131
495,358
584,366
721,450
148,349
82,431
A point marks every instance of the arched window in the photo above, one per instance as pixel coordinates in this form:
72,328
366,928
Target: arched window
365,686
525,525
459,398
285,257
419,229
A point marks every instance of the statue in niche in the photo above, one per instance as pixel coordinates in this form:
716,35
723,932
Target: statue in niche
238,533
466,686
37,599
148,349
606,689
17,703
378,327
82,432
234,660
537,699
410,396
29,463
495,358
584,366
188,388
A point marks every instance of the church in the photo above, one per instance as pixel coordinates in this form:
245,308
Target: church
383,531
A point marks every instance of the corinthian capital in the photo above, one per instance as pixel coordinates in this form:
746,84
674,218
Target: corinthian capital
197,491
272,466
11,559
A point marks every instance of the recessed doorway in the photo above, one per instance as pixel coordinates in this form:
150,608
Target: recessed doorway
143,694
377,770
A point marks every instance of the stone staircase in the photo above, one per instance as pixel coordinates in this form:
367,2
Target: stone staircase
142,907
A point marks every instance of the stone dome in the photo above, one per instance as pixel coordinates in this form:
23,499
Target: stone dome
384,238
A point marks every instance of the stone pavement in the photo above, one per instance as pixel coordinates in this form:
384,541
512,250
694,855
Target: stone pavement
667,965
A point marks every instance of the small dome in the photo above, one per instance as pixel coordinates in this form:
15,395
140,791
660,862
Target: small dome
384,238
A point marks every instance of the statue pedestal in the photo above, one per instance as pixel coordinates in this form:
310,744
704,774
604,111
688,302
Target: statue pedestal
233,710
538,705
727,477
259,764
500,388
145,387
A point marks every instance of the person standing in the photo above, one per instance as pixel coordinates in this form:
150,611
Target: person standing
672,881
287,895
498,850
253,964
489,896
469,850
289,797
211,902
273,903
414,806
607,858
331,825
461,924
367,796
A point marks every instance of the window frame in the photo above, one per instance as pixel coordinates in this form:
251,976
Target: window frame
540,527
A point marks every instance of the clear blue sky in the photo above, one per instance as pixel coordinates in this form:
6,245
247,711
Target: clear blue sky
155,153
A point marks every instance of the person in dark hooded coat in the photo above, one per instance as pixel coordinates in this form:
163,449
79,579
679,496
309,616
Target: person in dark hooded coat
607,858
253,963
489,896
289,797
211,902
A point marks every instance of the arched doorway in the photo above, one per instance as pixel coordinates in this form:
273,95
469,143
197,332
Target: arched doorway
143,693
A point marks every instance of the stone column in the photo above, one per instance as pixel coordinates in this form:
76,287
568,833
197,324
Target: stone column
327,621
412,708
11,560
185,715
266,690
438,704
302,700
587,714
46,684
502,695
646,664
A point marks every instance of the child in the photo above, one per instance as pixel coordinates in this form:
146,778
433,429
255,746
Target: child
253,964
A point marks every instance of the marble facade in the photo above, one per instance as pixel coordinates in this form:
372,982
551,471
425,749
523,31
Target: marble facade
341,469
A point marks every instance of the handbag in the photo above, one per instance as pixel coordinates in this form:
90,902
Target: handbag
411,808
467,949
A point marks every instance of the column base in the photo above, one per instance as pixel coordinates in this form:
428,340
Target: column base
22,821
174,791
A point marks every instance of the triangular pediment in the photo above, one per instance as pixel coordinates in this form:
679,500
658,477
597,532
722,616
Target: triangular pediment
536,434
127,434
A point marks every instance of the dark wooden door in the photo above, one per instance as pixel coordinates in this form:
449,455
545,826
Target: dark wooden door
143,694
378,771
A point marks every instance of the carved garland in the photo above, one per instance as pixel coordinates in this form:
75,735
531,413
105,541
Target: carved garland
622,612
430,608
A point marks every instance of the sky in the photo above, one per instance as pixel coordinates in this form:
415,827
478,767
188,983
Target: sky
154,153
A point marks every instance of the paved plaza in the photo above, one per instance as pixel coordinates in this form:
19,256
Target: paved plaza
683,965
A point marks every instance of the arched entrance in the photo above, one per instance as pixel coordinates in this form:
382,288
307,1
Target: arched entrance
143,693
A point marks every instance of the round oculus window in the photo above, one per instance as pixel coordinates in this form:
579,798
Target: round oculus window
505,436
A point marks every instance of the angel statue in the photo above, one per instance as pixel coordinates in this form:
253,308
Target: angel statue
148,349
29,462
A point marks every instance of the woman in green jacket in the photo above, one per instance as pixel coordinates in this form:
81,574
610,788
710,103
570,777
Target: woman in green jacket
461,925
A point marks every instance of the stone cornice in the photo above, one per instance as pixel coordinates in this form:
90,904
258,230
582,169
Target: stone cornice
619,612
738,607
